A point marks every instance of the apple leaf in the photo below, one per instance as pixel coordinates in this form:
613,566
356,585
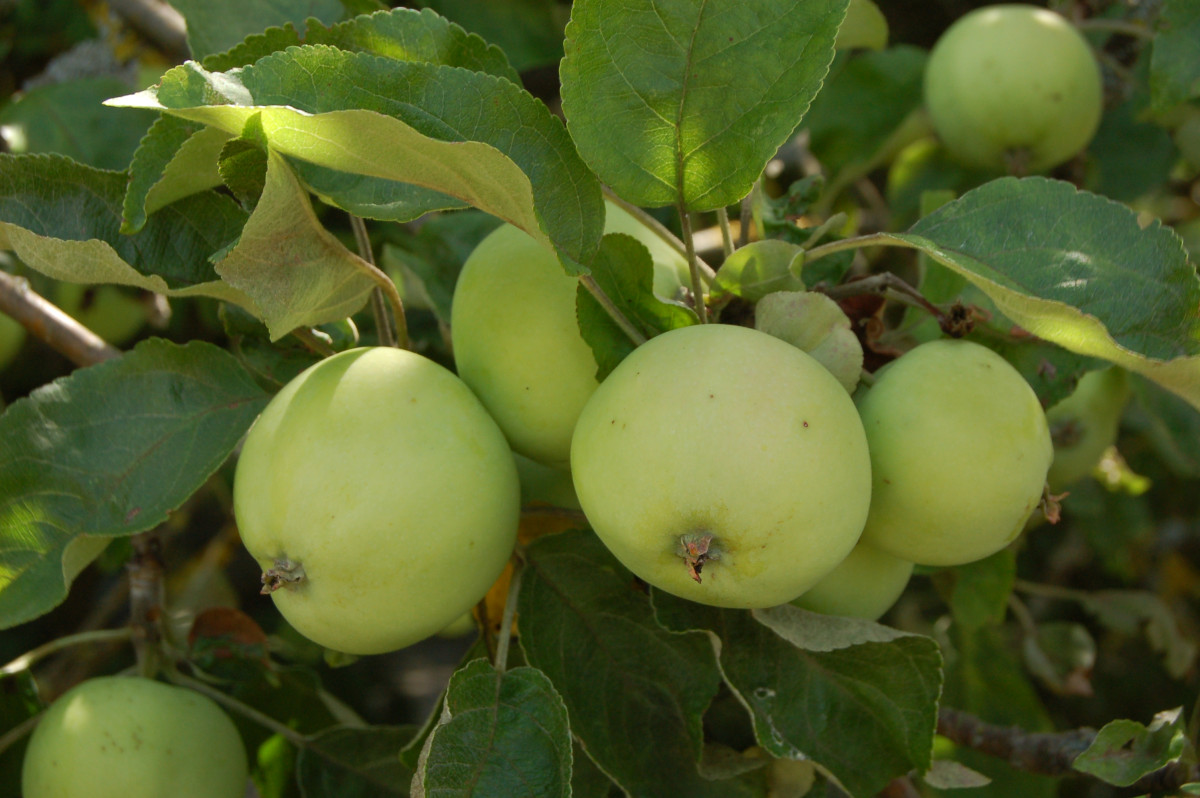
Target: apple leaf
946,774
63,219
177,158
625,272
499,734
1125,750
675,101
109,451
759,268
217,25
860,116
587,780
1052,372
529,31
1075,269
355,762
1175,58
635,692
810,683
1171,426
978,592
294,270
475,137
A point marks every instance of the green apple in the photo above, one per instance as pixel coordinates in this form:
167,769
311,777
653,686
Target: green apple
960,448
106,310
864,585
1084,424
1012,82
12,338
379,497
723,465
114,737
517,342
545,484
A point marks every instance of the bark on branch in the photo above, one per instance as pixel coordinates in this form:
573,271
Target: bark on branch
45,320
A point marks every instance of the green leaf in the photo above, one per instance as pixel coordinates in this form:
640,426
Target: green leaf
587,780
473,136
217,25
1134,611
529,31
1129,158
1171,425
71,119
865,26
946,774
1175,58
243,168
676,101
812,685
62,219
760,267
355,762
1052,372
624,270
109,451
978,592
1076,269
635,692
293,269
1125,750
177,158
499,734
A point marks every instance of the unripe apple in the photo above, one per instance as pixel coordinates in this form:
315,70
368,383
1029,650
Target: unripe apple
106,310
517,341
1011,82
960,448
723,465
114,737
864,585
379,497
1084,424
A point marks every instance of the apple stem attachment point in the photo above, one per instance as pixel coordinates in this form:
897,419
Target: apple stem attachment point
1051,504
696,549
284,573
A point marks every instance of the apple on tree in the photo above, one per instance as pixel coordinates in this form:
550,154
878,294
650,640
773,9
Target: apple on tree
517,341
106,310
750,520
379,497
118,737
1084,424
959,447
864,585
12,337
1010,85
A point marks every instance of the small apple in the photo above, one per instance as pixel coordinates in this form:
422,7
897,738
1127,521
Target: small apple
960,448
12,338
724,466
864,585
517,341
543,484
1084,424
1012,82
106,310
379,497
114,737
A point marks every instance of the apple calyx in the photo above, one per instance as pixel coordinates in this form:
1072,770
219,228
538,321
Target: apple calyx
696,549
284,573
1051,504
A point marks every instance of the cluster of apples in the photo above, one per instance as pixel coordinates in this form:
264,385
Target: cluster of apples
717,462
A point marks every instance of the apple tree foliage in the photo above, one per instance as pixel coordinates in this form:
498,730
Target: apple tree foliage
226,183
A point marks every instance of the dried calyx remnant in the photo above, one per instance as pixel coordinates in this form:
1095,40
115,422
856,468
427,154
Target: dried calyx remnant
284,573
696,549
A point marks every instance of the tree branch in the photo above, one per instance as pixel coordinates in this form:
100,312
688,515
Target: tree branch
158,22
49,323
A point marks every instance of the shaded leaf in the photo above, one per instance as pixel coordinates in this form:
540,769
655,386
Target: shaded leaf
499,734
760,267
109,451
812,685
1171,425
352,762
978,592
1175,59
217,25
1138,611
1125,750
472,136
646,91
1077,270
529,31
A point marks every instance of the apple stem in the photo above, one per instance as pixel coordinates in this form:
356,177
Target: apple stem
392,329
660,230
229,702
696,549
284,573
510,612
146,601
685,225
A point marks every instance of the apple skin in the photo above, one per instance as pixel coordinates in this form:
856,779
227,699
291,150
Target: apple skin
864,585
380,473
1009,78
517,341
960,448
114,737
106,310
729,432
1084,424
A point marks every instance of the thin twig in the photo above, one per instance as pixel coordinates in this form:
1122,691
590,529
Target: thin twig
17,732
49,323
726,233
146,600
29,658
510,610
612,310
229,702
747,216
1123,27
313,341
392,329
884,283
